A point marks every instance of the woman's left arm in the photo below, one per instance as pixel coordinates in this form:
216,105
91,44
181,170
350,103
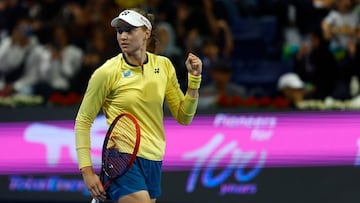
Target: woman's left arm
183,107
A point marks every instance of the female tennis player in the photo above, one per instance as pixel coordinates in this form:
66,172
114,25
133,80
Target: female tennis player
137,82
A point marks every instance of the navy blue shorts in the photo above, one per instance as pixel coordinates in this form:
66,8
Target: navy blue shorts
143,175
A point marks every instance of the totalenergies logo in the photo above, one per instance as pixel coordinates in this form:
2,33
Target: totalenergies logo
219,160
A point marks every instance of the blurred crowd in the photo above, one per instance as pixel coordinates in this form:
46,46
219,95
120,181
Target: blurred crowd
256,53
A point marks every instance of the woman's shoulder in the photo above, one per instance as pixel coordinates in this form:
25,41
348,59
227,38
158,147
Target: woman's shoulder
108,66
157,56
164,60
111,62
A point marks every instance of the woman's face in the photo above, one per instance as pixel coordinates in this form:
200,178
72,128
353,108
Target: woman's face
132,39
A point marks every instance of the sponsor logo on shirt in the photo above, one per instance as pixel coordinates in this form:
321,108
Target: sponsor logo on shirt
127,74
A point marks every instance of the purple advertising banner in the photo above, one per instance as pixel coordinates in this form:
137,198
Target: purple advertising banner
231,141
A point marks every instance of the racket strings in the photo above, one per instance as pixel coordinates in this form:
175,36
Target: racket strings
116,162
120,147
124,135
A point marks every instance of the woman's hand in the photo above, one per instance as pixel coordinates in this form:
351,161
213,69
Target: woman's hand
193,65
93,184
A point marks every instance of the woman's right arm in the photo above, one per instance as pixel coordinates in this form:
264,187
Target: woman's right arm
91,104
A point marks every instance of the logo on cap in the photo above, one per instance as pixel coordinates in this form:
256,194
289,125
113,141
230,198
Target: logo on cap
124,13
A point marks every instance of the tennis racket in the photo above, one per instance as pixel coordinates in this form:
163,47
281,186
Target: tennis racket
118,158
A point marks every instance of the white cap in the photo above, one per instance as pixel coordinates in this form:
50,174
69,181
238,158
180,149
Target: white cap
133,18
290,80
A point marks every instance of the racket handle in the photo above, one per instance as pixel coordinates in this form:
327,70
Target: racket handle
94,201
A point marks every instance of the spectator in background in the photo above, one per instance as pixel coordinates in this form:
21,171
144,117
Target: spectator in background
302,18
292,88
354,56
339,27
310,12
51,69
36,71
209,54
66,61
45,15
206,34
96,52
316,65
84,16
11,11
197,20
166,43
14,54
221,90
166,46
